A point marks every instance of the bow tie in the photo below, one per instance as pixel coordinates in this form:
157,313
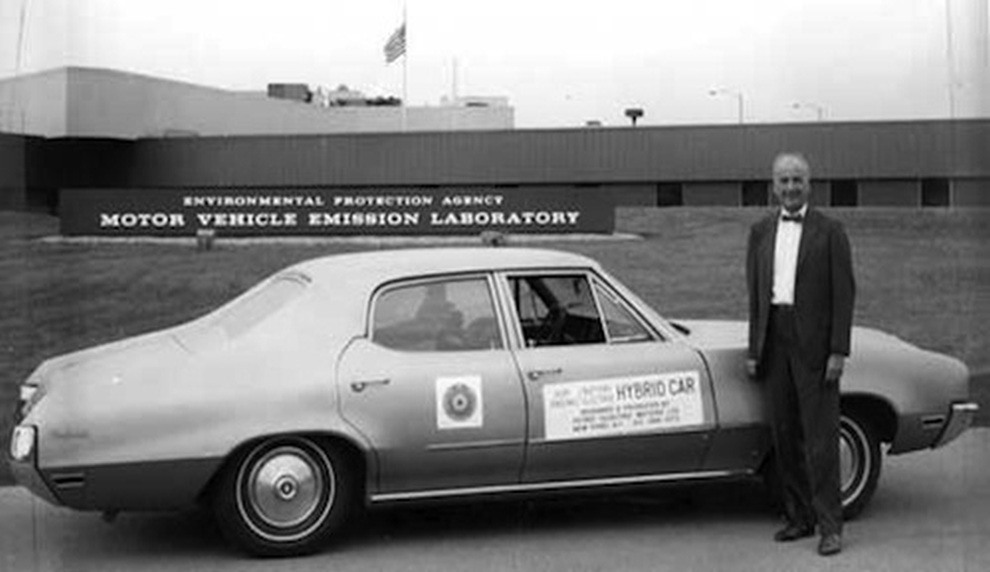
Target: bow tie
792,218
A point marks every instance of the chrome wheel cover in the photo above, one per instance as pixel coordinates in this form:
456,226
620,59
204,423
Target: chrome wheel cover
284,493
854,460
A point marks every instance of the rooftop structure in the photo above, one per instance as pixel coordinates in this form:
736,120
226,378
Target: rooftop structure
93,102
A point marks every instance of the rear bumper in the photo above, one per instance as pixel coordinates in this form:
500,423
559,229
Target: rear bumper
960,418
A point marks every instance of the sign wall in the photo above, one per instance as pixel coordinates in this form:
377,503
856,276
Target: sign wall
336,211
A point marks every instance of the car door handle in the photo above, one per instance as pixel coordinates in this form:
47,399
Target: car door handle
536,374
359,386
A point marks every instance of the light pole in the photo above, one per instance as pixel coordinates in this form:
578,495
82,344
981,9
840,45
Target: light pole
634,113
819,110
737,94
950,60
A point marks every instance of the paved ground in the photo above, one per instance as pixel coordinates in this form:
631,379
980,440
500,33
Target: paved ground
932,513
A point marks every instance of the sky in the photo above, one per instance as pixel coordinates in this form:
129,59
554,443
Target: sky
560,63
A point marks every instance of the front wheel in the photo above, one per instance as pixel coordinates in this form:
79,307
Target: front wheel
859,462
284,496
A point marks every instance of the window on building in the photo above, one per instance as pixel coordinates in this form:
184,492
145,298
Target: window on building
755,193
670,195
844,193
43,200
935,192
445,315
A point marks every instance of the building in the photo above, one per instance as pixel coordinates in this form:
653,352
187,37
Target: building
90,102
128,141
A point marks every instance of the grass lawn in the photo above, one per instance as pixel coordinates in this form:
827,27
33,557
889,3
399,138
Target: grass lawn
921,275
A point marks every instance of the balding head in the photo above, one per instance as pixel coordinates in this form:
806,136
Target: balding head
791,161
791,180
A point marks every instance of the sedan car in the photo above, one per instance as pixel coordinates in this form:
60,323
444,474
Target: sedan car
454,373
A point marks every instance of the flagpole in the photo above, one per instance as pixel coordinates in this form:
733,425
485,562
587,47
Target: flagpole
405,67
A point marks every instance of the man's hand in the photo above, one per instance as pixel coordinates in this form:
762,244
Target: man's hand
751,368
833,369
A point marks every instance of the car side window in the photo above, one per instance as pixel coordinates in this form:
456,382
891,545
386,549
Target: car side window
556,310
444,315
621,324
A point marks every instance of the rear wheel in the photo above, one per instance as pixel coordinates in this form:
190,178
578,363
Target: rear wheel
859,462
284,496
859,465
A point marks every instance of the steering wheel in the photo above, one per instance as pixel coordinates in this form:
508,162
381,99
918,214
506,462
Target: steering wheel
551,332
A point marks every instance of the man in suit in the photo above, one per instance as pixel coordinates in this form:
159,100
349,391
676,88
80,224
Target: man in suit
801,288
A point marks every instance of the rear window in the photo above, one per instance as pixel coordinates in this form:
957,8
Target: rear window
251,309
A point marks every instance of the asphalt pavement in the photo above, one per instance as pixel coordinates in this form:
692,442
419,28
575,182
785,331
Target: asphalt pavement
931,512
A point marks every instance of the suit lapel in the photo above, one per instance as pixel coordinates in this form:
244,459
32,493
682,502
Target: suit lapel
808,235
766,254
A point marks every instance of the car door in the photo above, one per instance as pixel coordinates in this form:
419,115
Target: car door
434,388
608,396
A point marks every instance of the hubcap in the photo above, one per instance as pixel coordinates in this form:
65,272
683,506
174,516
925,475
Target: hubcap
848,462
285,487
855,460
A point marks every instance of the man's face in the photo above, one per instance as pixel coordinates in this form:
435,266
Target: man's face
791,183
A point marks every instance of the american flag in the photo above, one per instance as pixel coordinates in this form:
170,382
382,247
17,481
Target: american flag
396,44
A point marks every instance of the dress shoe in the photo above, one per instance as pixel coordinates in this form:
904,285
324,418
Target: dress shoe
830,544
793,532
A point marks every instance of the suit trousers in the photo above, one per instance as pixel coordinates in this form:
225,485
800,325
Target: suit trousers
804,422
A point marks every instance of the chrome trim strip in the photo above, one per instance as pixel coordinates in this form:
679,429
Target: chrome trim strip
556,485
701,431
475,445
64,481
960,418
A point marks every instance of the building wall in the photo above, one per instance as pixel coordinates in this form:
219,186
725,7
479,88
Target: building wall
712,194
573,156
694,165
634,195
426,159
34,104
104,103
86,102
13,178
21,182
890,193
971,192
362,145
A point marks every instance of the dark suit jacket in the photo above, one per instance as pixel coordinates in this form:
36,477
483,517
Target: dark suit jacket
824,287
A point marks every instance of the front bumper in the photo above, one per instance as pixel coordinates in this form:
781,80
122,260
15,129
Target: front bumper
23,465
960,418
27,476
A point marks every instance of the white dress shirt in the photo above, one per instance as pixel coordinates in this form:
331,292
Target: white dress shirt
785,255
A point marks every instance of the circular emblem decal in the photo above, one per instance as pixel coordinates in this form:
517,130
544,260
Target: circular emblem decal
459,402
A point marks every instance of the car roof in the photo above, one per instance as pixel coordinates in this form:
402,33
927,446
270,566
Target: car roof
384,265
